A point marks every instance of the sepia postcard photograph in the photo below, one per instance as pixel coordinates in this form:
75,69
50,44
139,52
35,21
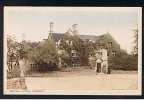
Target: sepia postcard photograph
72,50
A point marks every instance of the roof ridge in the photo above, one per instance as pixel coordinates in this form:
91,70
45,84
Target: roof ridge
83,34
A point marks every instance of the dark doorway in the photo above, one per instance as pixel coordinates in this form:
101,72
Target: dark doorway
98,67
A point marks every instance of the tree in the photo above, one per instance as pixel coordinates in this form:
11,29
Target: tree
43,52
48,51
135,42
13,57
124,61
12,51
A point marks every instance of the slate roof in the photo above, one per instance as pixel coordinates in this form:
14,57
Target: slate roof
58,36
89,37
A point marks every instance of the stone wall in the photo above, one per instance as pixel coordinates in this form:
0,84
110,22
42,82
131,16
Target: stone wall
16,83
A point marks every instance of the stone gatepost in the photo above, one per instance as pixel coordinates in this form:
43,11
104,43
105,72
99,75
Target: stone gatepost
22,67
18,82
60,62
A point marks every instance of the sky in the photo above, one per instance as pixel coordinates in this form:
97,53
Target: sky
32,23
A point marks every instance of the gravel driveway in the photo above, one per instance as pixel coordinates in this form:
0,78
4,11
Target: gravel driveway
77,81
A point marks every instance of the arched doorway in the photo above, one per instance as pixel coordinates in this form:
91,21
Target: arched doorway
99,65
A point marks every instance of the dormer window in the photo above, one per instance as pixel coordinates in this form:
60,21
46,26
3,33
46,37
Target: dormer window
114,53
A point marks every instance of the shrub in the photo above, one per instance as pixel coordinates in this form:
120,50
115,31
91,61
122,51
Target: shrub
124,62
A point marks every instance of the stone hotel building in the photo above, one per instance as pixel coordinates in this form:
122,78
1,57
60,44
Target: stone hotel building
104,47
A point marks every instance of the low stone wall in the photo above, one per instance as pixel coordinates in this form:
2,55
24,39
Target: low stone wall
72,69
13,73
16,83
